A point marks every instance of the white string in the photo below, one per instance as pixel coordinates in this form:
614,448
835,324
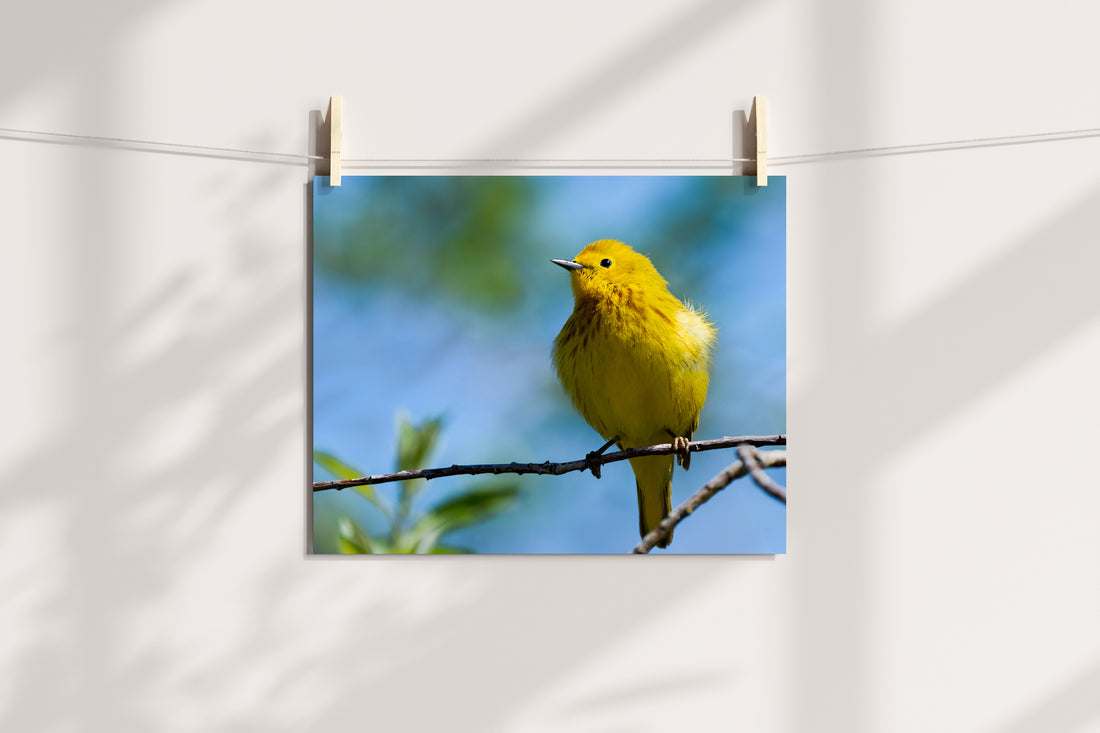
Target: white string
160,147
975,142
542,163
714,163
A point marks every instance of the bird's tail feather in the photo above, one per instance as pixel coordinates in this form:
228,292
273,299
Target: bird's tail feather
653,475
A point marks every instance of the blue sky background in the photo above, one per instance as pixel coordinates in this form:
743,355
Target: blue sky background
418,308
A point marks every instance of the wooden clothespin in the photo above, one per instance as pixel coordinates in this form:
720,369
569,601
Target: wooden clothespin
334,121
760,115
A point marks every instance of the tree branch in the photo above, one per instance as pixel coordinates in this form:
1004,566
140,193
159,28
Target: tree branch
737,469
554,469
751,458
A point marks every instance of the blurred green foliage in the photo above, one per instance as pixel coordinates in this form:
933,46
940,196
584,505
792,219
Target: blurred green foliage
408,530
430,235
474,241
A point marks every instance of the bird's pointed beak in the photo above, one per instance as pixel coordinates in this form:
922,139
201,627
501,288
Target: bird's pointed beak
569,264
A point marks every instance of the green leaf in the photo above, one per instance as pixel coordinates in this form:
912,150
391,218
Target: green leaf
415,442
426,541
414,445
335,466
343,471
471,507
450,550
348,547
352,540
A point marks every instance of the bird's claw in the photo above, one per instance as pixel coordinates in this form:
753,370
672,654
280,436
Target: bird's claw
683,456
591,463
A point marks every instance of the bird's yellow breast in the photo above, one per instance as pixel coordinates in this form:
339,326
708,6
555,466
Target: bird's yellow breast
635,365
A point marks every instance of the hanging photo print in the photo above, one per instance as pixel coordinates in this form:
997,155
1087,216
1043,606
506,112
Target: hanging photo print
580,365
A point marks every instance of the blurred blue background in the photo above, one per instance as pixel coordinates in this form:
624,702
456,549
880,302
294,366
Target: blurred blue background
434,295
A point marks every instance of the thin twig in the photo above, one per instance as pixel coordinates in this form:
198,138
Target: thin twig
737,469
751,458
552,469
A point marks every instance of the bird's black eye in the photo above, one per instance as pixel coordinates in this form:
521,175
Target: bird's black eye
605,263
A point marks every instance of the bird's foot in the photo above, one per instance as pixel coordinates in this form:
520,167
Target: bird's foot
683,456
591,465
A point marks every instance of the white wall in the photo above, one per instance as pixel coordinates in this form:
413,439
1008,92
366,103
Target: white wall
944,566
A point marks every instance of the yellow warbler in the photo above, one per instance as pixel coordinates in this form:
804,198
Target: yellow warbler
634,359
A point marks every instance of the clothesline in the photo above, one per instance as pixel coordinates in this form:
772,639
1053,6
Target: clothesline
534,163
